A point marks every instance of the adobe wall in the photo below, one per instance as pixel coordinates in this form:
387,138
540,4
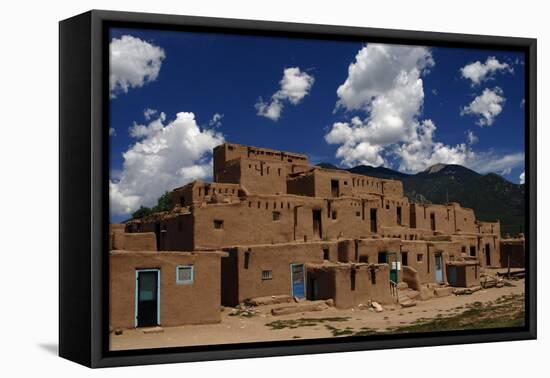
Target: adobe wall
199,191
230,151
468,245
488,245
255,176
368,249
195,303
465,219
145,241
514,250
351,284
248,222
302,185
173,233
420,255
388,214
492,228
463,274
275,258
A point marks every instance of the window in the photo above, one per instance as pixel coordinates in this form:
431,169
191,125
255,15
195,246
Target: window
267,274
247,258
419,257
399,215
353,274
326,254
218,224
184,274
276,215
334,214
358,213
182,201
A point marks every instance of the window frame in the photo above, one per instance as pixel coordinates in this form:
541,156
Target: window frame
185,282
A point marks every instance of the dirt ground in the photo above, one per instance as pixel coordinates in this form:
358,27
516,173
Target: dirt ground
331,322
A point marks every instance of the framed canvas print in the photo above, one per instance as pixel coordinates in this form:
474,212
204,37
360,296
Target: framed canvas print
234,188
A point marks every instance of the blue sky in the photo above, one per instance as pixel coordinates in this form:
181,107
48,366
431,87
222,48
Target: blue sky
367,121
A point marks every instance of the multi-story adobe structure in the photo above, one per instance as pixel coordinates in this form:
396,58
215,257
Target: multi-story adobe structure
287,227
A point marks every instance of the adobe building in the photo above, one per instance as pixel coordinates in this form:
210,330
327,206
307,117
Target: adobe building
290,228
158,288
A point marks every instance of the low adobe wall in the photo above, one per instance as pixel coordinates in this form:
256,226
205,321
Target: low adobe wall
145,241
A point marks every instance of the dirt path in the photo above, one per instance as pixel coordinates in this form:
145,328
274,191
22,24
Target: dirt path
328,323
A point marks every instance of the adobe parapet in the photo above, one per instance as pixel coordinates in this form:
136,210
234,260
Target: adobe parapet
230,151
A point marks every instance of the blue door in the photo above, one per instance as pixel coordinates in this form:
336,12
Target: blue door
438,268
298,280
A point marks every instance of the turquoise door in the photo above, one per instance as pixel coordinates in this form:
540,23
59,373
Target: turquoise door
298,279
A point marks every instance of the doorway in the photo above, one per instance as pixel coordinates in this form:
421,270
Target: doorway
297,279
438,268
312,289
317,231
487,254
147,298
391,259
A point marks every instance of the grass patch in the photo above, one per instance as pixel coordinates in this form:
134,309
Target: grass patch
507,311
304,322
340,332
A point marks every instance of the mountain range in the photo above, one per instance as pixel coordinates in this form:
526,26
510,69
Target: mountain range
491,196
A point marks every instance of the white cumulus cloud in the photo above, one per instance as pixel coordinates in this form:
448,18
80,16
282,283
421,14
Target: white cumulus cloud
216,120
385,82
522,178
478,72
133,63
167,155
471,137
487,106
295,85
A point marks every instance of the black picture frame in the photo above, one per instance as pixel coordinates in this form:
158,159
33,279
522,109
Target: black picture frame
84,201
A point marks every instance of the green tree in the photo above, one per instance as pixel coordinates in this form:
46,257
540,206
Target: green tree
141,212
164,203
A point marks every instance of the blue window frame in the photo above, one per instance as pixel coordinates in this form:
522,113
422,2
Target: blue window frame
185,274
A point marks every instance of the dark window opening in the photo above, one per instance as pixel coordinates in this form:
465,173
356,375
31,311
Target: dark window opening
267,274
353,273
326,255
335,188
382,257
276,215
218,224
373,221
405,258
432,221
419,257
472,251
358,213
399,215
246,259
317,228
182,201
463,249
334,214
